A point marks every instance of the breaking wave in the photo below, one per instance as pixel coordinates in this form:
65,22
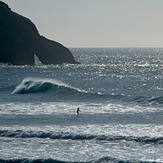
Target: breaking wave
58,89
71,136
34,85
67,92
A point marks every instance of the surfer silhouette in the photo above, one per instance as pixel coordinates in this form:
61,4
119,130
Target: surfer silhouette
78,110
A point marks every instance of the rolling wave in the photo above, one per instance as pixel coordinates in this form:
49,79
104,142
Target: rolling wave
60,89
57,89
71,136
100,160
34,85
32,161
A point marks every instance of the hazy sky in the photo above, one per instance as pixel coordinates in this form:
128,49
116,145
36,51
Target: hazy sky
96,23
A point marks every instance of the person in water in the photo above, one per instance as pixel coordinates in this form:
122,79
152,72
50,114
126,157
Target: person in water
78,110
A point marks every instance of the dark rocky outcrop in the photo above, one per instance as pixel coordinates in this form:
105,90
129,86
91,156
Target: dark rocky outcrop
20,40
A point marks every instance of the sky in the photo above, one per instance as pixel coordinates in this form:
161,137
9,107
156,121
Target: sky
96,23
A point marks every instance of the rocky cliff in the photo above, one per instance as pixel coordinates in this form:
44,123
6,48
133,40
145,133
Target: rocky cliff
20,41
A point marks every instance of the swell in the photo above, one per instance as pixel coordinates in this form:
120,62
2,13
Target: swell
156,101
71,136
61,91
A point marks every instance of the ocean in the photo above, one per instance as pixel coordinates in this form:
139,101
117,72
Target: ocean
120,95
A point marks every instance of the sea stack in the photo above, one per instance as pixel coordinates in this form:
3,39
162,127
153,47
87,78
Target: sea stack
20,41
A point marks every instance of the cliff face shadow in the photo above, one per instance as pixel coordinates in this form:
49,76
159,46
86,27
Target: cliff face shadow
20,40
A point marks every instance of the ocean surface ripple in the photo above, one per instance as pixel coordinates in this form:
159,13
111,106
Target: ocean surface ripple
120,95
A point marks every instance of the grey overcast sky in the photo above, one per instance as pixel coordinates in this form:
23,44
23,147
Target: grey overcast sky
96,23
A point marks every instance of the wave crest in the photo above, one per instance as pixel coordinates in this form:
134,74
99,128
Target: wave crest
63,91
34,85
59,89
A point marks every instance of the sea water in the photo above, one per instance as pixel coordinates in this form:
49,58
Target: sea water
120,95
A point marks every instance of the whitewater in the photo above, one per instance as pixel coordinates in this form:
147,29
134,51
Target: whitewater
118,90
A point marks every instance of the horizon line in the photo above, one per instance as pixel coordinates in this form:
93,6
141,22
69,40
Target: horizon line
114,47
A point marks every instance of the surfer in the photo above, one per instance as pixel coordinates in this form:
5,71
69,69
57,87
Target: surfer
78,110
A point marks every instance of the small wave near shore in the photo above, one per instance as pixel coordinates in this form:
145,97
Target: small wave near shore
105,159
80,137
